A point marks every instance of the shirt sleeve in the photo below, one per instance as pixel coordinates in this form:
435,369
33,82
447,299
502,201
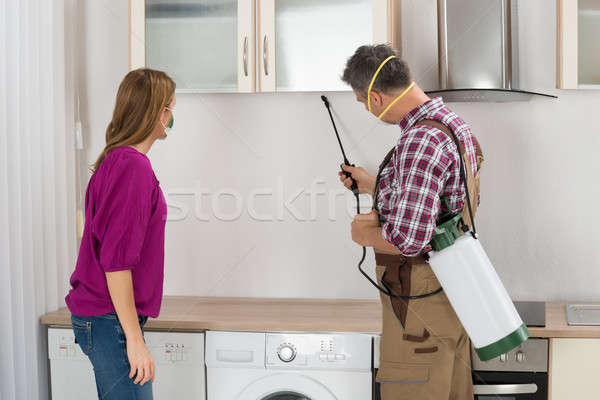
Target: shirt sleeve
420,169
121,221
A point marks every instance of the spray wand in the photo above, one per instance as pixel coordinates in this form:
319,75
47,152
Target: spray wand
354,186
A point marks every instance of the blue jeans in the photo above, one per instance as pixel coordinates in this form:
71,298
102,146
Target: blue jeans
102,339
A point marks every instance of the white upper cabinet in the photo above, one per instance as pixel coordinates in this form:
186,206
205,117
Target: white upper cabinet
254,45
578,44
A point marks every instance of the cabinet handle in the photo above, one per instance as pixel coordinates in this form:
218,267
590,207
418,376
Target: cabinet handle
442,44
505,389
506,44
245,56
266,55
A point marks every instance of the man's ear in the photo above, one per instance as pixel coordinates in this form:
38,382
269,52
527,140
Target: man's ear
376,99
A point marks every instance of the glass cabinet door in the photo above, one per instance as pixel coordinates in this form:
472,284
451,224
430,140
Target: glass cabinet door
195,42
578,48
309,41
589,42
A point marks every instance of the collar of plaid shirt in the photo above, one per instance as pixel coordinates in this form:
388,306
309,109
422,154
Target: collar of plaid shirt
421,112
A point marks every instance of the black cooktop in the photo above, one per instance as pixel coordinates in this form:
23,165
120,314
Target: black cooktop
533,313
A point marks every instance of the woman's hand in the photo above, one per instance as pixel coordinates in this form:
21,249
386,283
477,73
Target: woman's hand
364,181
140,360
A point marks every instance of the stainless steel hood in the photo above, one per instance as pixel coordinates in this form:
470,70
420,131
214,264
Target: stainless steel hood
478,57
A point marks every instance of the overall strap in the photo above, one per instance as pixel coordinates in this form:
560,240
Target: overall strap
472,180
385,162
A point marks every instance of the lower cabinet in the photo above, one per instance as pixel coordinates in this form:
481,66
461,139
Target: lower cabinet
574,369
179,359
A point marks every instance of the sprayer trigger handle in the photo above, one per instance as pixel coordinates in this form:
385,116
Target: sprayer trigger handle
346,173
354,187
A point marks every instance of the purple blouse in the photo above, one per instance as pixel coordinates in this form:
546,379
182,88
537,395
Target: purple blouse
125,215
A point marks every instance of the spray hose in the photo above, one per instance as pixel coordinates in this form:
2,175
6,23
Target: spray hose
385,290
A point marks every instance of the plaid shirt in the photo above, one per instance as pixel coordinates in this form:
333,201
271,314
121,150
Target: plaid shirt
423,167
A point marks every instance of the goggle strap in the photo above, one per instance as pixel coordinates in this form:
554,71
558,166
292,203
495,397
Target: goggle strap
373,80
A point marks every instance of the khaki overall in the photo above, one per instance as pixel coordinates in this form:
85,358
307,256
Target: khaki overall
425,351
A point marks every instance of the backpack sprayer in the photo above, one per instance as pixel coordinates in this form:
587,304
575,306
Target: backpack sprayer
466,274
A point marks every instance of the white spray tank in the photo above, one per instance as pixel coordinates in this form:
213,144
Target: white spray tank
474,289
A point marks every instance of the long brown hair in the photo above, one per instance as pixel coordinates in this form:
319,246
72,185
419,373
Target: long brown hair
142,96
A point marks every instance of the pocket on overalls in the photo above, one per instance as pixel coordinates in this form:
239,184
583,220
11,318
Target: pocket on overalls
425,353
390,372
83,333
419,349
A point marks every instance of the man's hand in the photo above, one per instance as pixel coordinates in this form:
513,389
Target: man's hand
364,181
366,231
364,227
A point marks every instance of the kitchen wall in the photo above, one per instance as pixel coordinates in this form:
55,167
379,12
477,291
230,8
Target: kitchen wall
256,208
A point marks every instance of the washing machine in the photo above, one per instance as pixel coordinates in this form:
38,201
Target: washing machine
288,366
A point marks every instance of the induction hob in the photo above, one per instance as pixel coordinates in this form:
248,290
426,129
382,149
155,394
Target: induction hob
533,313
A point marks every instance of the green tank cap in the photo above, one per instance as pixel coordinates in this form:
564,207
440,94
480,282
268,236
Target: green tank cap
446,233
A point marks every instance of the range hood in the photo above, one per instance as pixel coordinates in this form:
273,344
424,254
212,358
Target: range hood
478,52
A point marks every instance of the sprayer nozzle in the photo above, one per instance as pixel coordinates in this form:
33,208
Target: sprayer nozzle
325,100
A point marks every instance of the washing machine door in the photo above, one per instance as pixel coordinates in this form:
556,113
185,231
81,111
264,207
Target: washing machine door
286,387
286,396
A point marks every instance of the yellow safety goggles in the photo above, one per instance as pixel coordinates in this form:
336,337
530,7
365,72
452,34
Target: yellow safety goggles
371,87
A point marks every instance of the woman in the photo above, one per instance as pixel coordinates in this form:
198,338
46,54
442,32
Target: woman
117,283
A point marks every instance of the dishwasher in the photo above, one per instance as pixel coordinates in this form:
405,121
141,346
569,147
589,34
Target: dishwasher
179,358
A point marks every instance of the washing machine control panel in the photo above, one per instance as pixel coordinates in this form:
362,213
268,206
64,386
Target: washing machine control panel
286,352
323,351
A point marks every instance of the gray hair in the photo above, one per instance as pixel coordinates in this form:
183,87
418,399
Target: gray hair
365,61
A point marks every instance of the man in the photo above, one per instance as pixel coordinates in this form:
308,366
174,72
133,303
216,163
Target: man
425,351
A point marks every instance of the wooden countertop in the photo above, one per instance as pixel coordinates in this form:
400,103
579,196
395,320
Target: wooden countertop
256,314
298,315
